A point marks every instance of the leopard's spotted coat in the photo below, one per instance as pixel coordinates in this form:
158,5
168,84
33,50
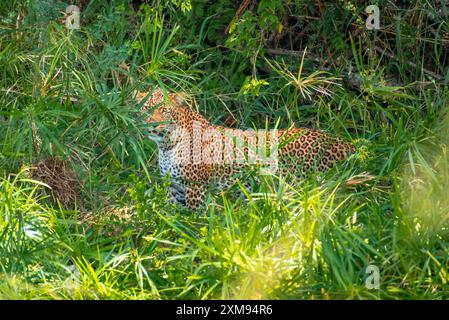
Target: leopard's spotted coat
186,141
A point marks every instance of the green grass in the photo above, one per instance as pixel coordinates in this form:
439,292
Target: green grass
67,94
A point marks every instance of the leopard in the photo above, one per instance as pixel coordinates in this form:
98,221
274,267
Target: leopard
195,153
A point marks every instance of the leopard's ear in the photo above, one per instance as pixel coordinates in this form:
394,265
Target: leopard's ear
160,96
149,98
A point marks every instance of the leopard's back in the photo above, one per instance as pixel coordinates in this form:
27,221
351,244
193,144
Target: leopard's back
310,150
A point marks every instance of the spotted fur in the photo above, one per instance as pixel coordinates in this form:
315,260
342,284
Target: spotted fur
195,153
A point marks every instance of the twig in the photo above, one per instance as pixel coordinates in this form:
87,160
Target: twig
243,6
291,53
413,65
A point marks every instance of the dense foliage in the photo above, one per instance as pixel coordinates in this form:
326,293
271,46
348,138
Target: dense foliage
85,214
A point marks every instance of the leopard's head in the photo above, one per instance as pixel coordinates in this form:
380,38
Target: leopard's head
160,111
